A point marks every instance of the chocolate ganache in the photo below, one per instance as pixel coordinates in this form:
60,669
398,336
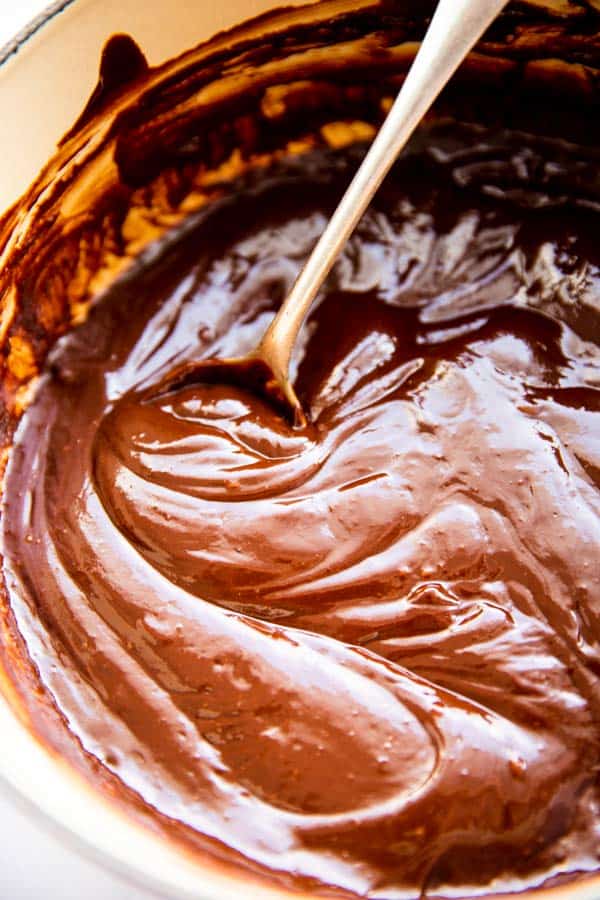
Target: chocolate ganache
361,655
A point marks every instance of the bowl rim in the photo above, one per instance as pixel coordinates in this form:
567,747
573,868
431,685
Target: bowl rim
15,43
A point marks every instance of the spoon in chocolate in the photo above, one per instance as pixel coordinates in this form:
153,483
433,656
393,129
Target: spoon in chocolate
454,29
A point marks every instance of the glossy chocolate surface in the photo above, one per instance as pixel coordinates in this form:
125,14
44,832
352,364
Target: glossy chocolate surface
363,655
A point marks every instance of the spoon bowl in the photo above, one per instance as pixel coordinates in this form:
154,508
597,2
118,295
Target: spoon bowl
252,372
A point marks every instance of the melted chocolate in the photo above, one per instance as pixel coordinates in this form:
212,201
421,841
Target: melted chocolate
364,652
360,656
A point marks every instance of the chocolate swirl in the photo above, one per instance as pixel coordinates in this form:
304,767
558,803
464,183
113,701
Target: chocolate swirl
364,654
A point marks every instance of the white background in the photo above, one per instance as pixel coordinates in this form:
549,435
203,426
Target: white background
34,864
15,14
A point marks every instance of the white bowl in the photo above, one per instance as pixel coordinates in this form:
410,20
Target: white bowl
45,79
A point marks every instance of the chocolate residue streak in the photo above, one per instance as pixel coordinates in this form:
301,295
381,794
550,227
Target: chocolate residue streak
362,654
122,64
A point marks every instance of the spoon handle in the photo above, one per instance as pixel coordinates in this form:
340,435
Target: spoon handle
455,28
